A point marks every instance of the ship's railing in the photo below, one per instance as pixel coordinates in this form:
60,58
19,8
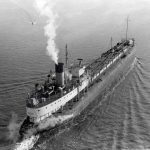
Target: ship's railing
94,67
54,96
111,58
44,101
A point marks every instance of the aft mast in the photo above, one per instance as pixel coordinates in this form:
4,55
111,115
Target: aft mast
127,28
111,42
66,56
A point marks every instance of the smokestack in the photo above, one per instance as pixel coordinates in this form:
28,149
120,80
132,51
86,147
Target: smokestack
59,69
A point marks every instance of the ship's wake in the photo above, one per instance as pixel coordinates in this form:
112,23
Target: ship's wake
30,139
27,143
13,135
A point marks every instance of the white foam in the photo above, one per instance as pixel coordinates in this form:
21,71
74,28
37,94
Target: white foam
27,143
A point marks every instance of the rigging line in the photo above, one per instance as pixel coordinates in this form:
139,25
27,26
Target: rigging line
23,10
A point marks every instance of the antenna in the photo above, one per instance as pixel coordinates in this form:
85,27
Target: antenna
66,56
127,28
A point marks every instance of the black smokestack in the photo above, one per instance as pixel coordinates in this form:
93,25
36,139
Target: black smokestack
59,69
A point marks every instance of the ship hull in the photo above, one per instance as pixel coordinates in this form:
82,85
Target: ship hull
98,88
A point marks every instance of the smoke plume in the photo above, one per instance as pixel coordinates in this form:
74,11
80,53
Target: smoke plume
45,8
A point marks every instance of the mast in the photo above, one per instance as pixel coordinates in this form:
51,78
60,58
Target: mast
66,56
111,42
127,28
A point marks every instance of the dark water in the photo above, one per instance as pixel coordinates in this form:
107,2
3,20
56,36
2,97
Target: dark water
122,121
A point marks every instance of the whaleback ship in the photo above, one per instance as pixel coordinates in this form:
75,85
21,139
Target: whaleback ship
64,94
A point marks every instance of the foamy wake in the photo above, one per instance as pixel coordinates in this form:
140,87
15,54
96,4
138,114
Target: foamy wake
134,63
27,143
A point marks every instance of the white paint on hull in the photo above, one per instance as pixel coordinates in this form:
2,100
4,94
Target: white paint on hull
39,114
